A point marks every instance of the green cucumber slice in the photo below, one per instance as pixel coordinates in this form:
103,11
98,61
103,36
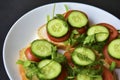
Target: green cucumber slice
49,69
99,77
57,27
114,48
102,36
42,48
83,77
101,33
83,56
77,19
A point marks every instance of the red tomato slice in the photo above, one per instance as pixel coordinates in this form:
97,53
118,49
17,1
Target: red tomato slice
112,30
107,75
29,55
108,58
67,14
82,30
61,39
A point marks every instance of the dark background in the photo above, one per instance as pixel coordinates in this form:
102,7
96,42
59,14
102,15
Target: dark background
12,10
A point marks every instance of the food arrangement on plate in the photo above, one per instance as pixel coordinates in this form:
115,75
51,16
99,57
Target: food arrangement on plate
69,48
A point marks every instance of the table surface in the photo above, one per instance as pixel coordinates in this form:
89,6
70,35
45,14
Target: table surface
12,10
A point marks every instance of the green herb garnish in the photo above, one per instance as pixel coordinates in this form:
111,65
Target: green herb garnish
112,66
48,18
54,53
54,10
60,58
89,39
60,16
66,8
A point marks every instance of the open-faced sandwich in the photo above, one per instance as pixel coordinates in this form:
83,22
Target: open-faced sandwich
69,48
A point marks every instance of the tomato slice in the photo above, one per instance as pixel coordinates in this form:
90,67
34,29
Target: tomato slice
67,14
108,58
107,75
113,32
82,30
29,55
61,39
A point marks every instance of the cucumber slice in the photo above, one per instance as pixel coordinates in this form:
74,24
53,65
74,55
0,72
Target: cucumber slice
102,36
83,77
99,77
83,56
114,48
42,48
77,19
57,27
88,76
101,33
49,69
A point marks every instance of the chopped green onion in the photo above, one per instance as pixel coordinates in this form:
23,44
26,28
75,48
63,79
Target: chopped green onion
60,58
54,54
54,9
20,62
112,66
70,77
66,7
75,32
89,39
48,17
27,63
60,16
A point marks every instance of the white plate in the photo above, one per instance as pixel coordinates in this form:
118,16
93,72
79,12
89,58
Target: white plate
25,30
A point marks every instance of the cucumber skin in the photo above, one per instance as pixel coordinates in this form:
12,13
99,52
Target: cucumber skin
40,75
42,57
112,46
